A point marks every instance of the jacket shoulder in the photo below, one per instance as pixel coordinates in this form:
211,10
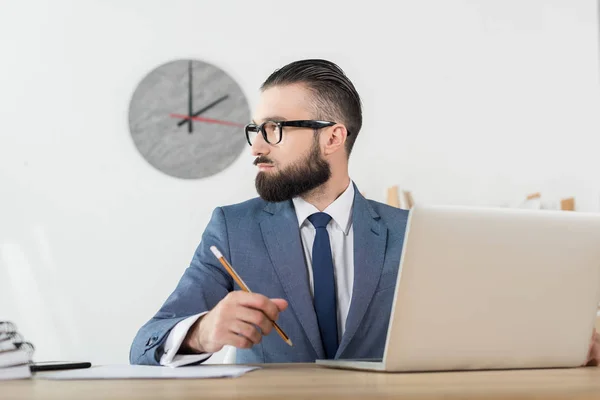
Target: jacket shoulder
248,208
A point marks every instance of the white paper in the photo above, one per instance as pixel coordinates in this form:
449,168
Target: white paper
148,372
18,372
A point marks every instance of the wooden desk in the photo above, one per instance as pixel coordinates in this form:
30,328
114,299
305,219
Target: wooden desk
308,381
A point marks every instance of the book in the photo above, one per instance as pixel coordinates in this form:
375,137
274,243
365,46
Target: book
15,357
400,199
15,372
15,353
15,341
7,327
7,345
12,336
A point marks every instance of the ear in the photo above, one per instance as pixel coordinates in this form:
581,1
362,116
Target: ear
335,139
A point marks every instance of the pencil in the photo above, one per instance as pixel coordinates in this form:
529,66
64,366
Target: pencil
245,288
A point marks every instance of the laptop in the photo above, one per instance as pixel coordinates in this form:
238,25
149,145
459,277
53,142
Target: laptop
485,288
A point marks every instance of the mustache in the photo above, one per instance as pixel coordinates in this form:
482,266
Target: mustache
262,160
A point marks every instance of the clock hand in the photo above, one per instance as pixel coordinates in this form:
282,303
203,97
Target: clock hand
190,97
208,107
208,120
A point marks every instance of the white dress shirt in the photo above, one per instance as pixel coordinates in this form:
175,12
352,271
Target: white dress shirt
341,238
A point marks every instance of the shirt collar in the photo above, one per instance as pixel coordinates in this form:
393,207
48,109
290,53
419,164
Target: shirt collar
340,210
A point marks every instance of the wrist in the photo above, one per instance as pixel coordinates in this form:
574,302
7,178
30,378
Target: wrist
191,343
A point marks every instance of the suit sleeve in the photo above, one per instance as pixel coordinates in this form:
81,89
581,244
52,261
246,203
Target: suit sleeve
203,284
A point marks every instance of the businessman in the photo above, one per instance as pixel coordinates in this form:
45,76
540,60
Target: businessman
310,238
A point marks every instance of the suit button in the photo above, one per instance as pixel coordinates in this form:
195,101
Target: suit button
151,341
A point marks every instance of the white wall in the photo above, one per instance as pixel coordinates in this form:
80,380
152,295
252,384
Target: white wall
465,102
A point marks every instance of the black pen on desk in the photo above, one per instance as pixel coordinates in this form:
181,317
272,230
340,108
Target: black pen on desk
245,288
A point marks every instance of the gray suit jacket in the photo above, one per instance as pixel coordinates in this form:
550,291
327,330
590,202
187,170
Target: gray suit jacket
262,241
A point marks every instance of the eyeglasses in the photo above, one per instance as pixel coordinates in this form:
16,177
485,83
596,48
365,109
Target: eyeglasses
272,131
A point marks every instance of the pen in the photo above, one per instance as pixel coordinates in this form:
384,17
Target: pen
245,288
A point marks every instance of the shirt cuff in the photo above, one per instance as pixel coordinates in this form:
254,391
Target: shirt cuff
170,358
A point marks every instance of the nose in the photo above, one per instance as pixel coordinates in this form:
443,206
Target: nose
259,146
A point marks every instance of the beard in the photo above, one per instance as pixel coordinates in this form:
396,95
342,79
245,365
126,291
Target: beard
300,177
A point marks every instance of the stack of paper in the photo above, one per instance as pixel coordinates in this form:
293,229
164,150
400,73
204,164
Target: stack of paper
15,353
149,372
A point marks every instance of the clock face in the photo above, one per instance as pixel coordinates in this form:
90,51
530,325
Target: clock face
187,119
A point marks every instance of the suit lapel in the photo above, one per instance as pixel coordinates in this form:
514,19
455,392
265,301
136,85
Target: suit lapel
281,235
370,237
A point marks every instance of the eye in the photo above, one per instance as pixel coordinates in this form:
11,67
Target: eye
272,131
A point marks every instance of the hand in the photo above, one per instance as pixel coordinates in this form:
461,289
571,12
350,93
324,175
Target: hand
594,355
234,322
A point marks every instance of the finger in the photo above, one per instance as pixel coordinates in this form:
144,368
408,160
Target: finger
280,303
255,317
595,353
593,358
247,330
592,342
259,302
237,341
588,358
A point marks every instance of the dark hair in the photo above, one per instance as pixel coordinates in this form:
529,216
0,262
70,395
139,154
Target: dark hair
335,97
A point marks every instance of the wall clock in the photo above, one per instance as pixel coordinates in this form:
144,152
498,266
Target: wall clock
187,118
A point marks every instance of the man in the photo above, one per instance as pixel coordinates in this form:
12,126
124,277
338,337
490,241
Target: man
308,211
321,259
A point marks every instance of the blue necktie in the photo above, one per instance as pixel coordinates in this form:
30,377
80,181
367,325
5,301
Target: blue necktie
324,284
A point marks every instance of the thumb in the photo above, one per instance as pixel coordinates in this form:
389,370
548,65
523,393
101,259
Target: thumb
280,303
593,354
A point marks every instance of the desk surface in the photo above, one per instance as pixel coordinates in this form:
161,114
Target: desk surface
308,381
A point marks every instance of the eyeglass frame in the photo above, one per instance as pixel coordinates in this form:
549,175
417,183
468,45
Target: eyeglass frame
304,123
